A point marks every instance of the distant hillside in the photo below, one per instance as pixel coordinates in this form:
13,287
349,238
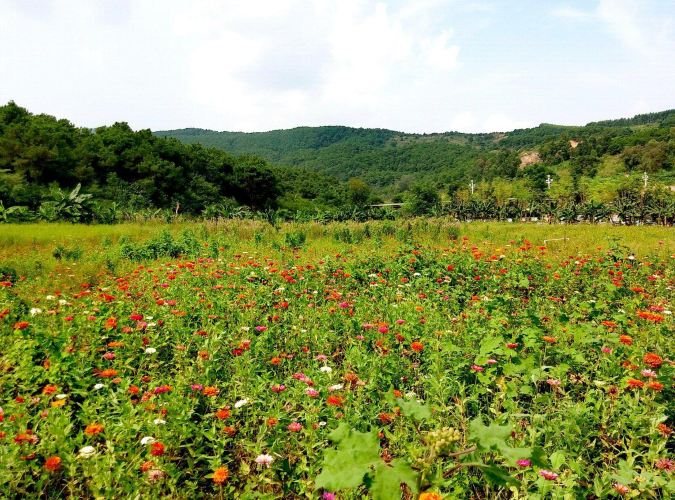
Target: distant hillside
385,157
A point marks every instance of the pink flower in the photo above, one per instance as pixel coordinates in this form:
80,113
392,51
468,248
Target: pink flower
344,305
648,373
155,475
383,329
312,393
321,357
606,350
360,337
477,368
328,496
547,474
665,464
553,382
400,321
261,328
278,388
109,356
491,361
523,462
197,387
294,427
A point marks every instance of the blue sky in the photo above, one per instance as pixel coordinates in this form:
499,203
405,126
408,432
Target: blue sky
417,66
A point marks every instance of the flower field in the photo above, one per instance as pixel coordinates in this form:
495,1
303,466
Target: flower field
383,361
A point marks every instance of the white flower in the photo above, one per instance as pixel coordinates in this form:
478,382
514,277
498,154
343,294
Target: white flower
150,350
151,325
61,396
35,310
50,297
99,386
326,369
87,452
264,459
335,387
159,421
322,424
241,403
63,302
147,440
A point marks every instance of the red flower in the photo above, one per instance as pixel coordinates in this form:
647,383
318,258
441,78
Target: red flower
21,325
655,386
626,339
52,464
635,383
417,346
653,360
157,449
335,401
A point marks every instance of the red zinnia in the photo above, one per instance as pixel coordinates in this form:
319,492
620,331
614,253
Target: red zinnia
635,383
157,449
417,346
52,464
653,360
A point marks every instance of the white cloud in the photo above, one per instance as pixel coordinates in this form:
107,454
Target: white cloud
412,65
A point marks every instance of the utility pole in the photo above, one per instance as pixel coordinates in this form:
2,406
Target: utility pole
549,181
645,178
472,186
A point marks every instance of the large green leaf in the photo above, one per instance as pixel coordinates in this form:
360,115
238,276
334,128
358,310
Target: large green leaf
345,466
388,478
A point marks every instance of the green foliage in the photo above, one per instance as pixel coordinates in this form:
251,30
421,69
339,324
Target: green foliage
357,460
163,246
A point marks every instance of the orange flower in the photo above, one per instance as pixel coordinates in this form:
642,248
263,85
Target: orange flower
649,316
109,373
635,383
334,400
385,418
49,389
110,324
272,421
220,475
147,465
275,361
210,391
229,430
653,360
222,414
430,495
655,386
664,430
417,346
93,429
21,325
550,340
626,339
52,464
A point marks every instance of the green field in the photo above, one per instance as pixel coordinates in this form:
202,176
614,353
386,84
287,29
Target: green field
403,359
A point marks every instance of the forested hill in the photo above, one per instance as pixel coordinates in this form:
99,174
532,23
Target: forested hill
384,157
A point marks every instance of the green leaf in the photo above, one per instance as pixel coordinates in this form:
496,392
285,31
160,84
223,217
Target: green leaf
414,409
345,466
388,478
498,476
491,437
